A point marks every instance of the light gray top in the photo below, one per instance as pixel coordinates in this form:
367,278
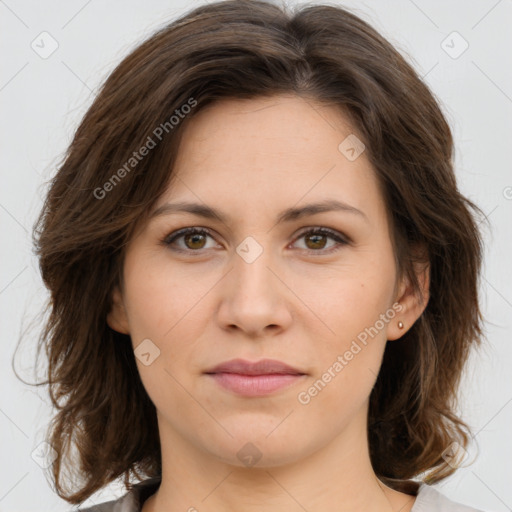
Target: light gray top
428,499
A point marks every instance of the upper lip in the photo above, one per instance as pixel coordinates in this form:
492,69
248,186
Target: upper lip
261,367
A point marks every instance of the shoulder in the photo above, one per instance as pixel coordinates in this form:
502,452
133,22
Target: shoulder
429,499
131,501
126,503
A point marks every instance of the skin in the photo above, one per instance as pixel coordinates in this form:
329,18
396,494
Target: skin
297,302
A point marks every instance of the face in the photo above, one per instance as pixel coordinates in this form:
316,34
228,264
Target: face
316,289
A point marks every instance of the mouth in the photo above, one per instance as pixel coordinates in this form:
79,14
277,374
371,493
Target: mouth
262,367
255,385
255,378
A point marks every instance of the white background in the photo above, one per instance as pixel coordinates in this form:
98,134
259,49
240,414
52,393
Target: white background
42,100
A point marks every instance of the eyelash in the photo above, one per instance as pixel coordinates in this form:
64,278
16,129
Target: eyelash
171,238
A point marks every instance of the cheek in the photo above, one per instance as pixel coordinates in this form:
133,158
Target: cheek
347,362
355,306
166,306
159,296
161,306
350,301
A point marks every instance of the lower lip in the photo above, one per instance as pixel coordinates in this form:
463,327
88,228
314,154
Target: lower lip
254,385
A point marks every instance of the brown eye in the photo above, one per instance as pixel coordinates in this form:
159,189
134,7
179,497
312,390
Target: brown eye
194,239
317,239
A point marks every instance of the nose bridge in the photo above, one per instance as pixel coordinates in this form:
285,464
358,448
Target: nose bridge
251,263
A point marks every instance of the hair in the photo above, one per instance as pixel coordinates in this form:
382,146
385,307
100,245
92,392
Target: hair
246,49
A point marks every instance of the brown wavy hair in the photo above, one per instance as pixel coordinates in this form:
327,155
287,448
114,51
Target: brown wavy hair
105,425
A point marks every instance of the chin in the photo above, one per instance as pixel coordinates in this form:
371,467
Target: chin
259,447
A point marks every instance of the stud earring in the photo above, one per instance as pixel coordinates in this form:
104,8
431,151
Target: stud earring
400,325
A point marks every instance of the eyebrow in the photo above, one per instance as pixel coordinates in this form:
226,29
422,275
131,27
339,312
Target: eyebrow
288,215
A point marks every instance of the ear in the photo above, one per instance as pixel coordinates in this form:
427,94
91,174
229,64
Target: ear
117,318
412,305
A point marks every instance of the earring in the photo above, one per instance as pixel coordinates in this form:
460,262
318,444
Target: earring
400,325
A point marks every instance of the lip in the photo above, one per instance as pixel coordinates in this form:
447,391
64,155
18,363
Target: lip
261,367
255,385
258,378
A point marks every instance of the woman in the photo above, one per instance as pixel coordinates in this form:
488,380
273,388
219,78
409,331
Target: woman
264,278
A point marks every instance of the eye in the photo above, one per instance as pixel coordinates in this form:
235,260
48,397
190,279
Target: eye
316,239
195,239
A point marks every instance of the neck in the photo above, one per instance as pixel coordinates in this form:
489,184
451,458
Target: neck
339,476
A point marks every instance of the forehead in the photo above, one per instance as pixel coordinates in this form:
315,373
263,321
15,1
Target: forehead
281,132
278,122
262,153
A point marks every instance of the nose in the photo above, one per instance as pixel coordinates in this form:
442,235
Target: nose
254,297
